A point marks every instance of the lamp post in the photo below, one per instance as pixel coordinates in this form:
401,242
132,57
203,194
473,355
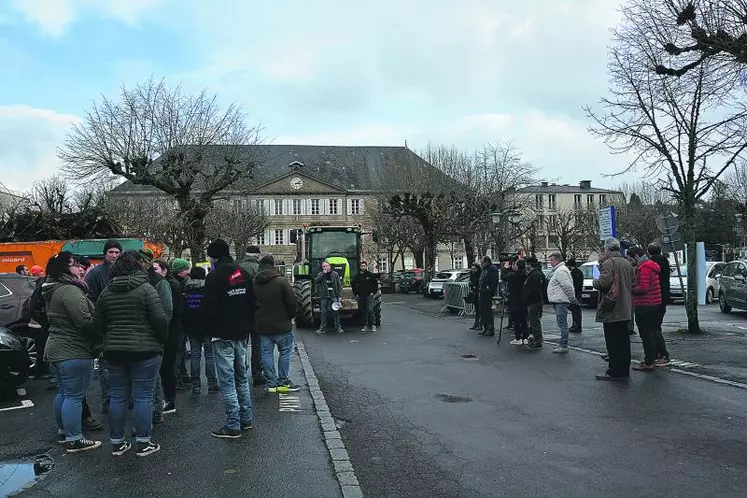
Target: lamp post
508,219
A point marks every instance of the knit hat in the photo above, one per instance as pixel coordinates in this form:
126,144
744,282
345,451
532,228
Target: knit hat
179,265
111,243
252,250
218,249
37,271
147,256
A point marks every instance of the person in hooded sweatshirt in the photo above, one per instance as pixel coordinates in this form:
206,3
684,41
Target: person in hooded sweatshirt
516,304
129,315
276,307
196,330
70,348
646,301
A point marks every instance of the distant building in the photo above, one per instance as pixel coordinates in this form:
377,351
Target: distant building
550,209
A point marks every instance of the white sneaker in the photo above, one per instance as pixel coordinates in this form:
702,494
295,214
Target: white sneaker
364,329
524,342
373,329
516,342
560,350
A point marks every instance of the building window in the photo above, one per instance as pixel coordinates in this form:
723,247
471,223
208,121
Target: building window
383,265
551,202
540,222
457,263
602,200
260,239
315,207
293,236
355,206
279,239
260,205
333,206
238,205
577,201
590,200
278,206
538,202
296,207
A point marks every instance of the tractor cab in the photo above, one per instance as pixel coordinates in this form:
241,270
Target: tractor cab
341,247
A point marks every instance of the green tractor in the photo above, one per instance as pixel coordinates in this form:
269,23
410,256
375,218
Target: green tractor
341,247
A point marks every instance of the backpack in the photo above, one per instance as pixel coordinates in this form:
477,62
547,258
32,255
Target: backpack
35,306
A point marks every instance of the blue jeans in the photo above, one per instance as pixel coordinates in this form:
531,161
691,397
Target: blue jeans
365,305
104,381
233,378
284,343
196,346
325,307
73,378
134,381
561,317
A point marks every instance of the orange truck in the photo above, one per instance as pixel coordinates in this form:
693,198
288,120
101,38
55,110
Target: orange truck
13,254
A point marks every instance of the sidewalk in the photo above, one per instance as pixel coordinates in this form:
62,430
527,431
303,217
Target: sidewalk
283,455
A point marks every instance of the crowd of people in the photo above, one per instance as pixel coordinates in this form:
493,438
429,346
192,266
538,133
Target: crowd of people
633,290
133,314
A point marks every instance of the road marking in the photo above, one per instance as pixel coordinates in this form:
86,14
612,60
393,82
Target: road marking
344,471
25,403
289,403
710,378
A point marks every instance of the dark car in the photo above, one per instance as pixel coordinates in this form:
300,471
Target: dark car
733,287
14,290
412,281
15,364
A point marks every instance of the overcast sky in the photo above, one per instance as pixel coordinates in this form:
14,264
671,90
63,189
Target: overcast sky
321,72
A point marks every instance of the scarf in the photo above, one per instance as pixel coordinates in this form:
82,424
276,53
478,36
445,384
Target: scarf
69,278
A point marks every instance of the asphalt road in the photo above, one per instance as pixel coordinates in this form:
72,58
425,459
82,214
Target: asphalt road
419,419
284,455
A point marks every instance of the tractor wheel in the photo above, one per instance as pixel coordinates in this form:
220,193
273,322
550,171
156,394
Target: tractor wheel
305,314
377,309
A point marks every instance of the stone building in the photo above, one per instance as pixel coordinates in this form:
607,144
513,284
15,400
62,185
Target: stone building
305,184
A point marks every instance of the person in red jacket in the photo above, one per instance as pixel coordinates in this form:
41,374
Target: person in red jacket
646,301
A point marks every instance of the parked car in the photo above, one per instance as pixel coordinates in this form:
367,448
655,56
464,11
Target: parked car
589,295
14,290
713,269
733,287
436,286
388,283
16,364
412,281
19,334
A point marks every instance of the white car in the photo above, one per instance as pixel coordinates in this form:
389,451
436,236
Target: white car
436,286
713,271
589,293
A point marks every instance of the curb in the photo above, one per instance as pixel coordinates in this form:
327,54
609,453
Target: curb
344,472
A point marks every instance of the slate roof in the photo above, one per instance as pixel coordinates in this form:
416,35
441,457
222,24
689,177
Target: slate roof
347,168
565,189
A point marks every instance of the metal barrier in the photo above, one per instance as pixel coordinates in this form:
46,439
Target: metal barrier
454,293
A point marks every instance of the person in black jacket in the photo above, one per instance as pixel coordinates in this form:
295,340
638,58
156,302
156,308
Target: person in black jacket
365,285
535,295
129,315
516,303
578,286
488,287
654,251
196,330
228,305
474,290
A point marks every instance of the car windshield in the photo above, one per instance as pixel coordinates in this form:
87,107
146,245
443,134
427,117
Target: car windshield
326,244
683,270
444,275
588,271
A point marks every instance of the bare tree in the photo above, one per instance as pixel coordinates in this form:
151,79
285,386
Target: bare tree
567,231
701,31
52,195
690,129
735,181
238,223
186,146
154,218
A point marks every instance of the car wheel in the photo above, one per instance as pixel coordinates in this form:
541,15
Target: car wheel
709,296
725,308
33,353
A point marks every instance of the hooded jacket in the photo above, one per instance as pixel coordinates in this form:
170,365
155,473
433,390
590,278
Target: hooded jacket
664,274
193,319
251,265
647,289
70,316
534,288
276,302
129,314
516,283
229,301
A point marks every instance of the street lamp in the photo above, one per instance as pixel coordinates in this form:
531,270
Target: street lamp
509,219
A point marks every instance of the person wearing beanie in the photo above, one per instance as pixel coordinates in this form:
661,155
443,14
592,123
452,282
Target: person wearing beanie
147,256
180,268
228,305
251,265
196,330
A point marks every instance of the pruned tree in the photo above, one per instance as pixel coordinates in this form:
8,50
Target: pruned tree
237,223
695,32
686,131
567,231
154,218
187,146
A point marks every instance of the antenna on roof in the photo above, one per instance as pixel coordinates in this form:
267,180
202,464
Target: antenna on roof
406,144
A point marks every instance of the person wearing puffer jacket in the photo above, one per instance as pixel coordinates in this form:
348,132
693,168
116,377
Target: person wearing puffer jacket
646,301
561,294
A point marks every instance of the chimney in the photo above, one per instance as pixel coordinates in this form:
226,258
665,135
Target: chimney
544,184
585,184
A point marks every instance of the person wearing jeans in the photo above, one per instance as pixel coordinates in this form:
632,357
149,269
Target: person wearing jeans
130,316
365,286
276,307
561,294
70,347
228,305
329,289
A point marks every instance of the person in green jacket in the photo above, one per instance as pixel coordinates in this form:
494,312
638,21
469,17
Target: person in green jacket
71,346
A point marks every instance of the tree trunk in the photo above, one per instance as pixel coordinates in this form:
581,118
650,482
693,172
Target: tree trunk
687,228
430,259
194,222
469,249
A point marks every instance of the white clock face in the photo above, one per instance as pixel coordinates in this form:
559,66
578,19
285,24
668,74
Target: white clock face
296,183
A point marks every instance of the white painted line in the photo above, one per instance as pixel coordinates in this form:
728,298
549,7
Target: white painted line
26,403
344,472
289,403
710,378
